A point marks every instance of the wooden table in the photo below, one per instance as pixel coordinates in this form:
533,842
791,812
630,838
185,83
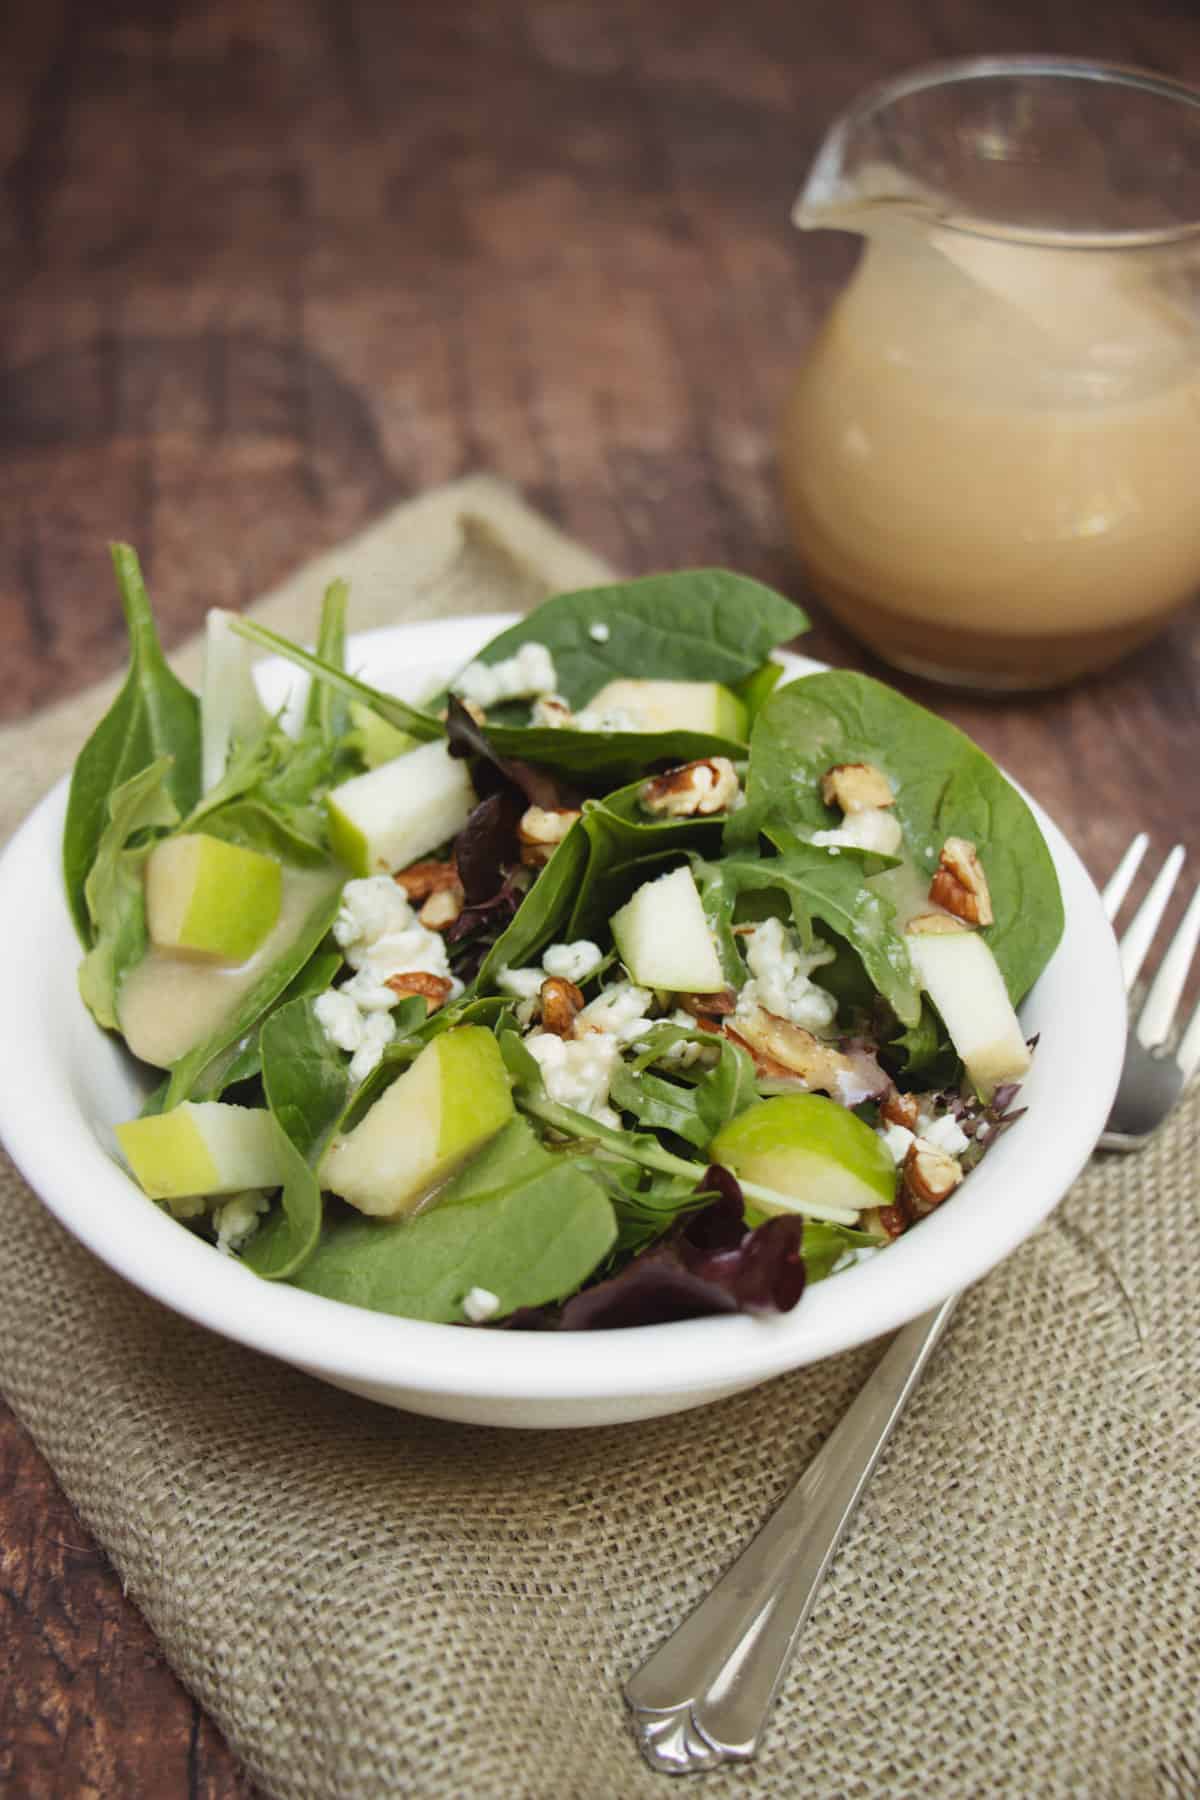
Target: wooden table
269,269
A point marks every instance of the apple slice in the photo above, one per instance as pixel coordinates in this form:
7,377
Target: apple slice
399,812
379,741
675,706
808,1146
205,1147
664,940
962,978
438,1113
209,898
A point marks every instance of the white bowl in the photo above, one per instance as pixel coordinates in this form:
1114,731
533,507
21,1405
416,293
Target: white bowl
64,1083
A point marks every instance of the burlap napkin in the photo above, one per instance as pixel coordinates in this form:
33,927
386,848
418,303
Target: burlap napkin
371,1603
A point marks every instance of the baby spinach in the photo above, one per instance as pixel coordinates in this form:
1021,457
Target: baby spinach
696,625
242,1061
694,1110
605,757
153,716
255,1002
306,1084
520,1222
944,785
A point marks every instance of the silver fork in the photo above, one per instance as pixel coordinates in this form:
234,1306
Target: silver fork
704,1696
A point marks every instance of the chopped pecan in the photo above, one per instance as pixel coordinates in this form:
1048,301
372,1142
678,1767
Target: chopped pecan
856,787
783,1051
433,989
960,884
709,785
561,1002
933,924
708,1006
421,879
901,1109
540,832
442,908
930,1176
885,1222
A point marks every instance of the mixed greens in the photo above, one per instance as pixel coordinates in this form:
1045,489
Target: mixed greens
611,985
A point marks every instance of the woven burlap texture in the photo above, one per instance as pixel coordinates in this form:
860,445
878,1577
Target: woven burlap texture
371,1603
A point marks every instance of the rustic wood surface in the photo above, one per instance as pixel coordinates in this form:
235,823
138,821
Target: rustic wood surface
268,268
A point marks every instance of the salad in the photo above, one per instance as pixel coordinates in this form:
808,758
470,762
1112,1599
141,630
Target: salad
614,984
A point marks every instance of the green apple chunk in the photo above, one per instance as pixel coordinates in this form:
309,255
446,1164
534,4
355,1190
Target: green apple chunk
379,741
810,1147
395,814
440,1112
663,937
963,979
209,898
675,706
207,1147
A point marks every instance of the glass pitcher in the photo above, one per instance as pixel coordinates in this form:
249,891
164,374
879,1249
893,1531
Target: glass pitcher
991,456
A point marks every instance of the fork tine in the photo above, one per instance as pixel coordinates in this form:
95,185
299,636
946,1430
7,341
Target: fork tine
1158,1013
1140,932
1188,1053
1121,879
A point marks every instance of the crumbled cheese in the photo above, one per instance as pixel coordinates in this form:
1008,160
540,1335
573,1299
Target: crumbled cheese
577,1071
874,828
552,712
380,935
896,1140
523,676
780,971
480,1304
573,962
236,1220
608,718
943,1132
684,1054
522,984
599,632
621,1012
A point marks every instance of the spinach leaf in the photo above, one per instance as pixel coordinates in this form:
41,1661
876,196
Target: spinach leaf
606,757
305,1083
154,715
543,912
945,785
823,1245
113,892
756,689
697,625
526,1225
418,724
695,1107
242,1061
255,1002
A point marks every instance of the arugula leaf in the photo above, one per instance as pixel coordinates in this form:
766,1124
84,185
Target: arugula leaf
153,716
113,892
697,1109
327,713
696,625
823,1245
944,784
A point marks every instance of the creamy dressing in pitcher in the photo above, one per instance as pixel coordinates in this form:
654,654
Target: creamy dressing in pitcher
991,458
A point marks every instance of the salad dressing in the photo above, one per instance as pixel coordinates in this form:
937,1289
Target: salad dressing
989,455
170,1002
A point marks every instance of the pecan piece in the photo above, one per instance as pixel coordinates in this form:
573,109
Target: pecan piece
930,1176
442,908
782,1051
885,1222
900,1109
561,1002
421,879
433,989
856,787
540,832
708,1006
709,785
960,884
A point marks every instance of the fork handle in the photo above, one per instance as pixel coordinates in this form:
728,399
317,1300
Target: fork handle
704,1696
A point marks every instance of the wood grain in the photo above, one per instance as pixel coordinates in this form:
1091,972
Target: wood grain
267,269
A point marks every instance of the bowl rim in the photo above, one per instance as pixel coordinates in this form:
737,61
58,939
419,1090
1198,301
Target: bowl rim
52,1072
